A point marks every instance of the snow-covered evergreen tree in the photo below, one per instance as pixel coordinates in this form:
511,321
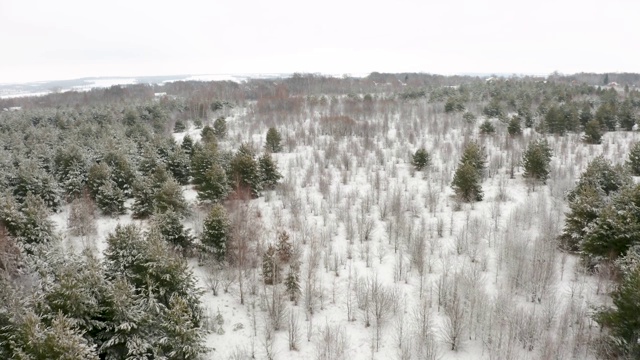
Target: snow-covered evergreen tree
110,199
214,187
634,159
268,171
179,165
169,224
170,197
215,232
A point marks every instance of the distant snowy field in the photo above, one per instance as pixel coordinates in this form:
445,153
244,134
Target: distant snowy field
516,295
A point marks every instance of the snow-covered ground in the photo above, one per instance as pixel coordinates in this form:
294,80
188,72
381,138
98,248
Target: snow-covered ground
488,273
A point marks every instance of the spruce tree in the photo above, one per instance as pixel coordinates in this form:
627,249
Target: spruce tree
592,132
269,173
216,232
622,320
245,173
179,165
633,163
169,197
466,183
214,186
220,127
468,176
514,127
170,226
273,141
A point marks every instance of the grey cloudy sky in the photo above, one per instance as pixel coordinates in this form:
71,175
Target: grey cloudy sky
62,39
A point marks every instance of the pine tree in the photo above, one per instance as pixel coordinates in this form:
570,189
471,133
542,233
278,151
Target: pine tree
585,114
592,133
99,175
627,116
214,186
269,173
514,127
617,226
421,159
110,199
273,141
204,158
170,197
466,183
170,226
28,223
181,338
634,159
220,127
187,145
536,160
487,128
623,319
216,231
143,198
292,283
132,325
606,116
208,135
122,173
468,176
179,165
244,172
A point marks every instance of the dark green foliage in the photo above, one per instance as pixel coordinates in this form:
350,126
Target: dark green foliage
622,320
292,283
179,165
187,145
634,159
169,197
143,196
146,262
71,170
454,104
161,278
30,338
555,121
216,232
208,135
476,156
214,186
536,160
244,173
204,158
487,128
627,116
170,226
493,109
273,141
602,175
469,117
29,222
617,226
122,173
585,114
468,176
32,179
179,126
269,173
421,159
182,338
220,127
592,132
514,128
99,174
110,199
586,201
584,209
606,116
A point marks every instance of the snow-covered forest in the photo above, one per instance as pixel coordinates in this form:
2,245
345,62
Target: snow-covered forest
395,216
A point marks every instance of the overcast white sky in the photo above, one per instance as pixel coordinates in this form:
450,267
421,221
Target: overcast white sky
63,39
